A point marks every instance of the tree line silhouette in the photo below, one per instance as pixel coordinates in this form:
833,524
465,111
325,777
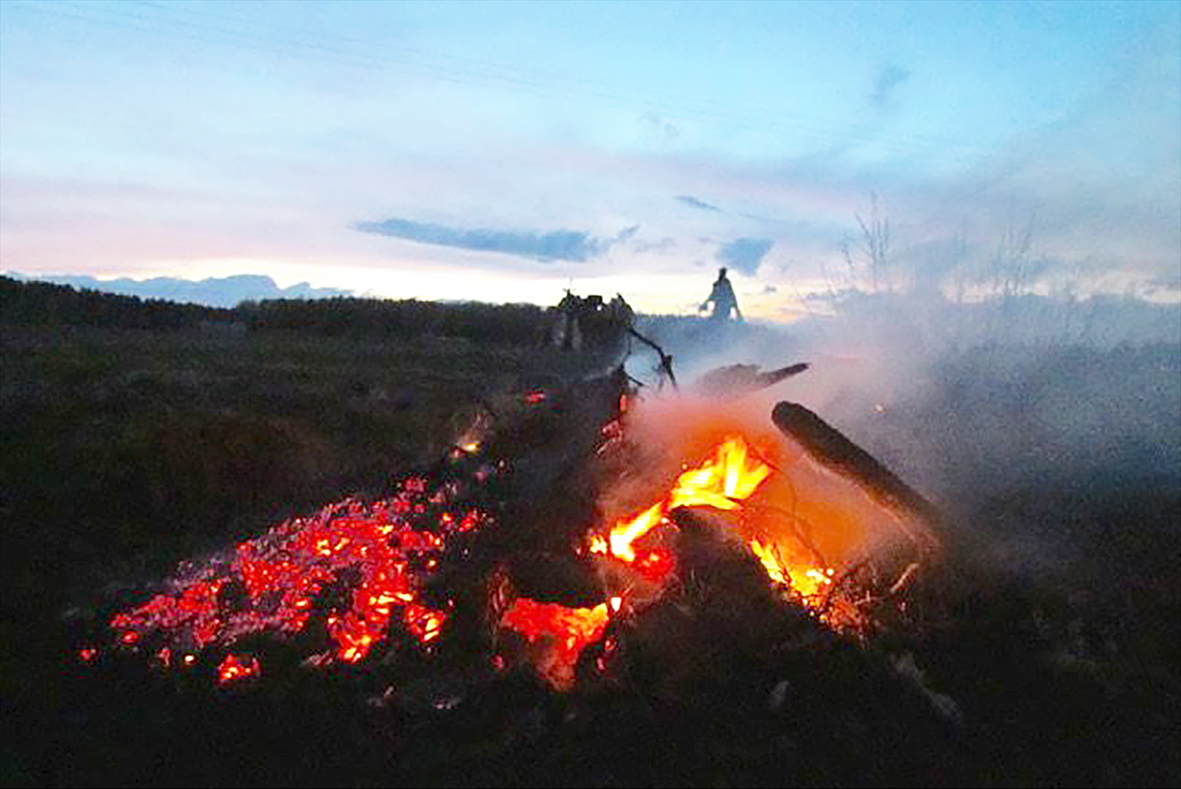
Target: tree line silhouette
407,319
45,304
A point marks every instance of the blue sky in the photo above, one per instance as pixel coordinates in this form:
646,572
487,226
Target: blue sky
502,151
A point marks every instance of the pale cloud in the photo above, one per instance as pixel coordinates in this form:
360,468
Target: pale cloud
666,130
889,79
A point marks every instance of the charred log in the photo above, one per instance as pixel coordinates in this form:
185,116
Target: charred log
739,380
830,448
563,578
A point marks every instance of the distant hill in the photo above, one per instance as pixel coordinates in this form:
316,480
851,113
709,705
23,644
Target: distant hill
211,292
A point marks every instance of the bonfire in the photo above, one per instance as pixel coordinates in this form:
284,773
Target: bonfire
548,532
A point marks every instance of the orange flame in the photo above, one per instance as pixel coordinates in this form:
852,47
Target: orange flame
620,540
727,478
766,554
722,482
808,581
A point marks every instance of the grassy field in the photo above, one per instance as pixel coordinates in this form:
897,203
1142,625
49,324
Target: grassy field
125,451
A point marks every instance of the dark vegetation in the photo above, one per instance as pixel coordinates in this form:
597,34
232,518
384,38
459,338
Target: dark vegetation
132,442
513,324
44,304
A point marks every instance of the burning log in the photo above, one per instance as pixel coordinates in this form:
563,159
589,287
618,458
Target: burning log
918,518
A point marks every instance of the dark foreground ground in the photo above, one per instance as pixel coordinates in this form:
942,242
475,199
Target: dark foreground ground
1054,660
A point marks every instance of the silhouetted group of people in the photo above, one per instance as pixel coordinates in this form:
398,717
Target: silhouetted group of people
589,321
579,321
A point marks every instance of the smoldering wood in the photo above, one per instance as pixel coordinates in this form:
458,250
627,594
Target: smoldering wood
738,380
711,552
565,578
837,588
829,447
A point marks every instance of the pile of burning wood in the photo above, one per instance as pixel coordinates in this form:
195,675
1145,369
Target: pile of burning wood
691,480
552,538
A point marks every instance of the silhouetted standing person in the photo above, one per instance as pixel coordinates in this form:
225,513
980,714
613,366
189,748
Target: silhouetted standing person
723,299
568,332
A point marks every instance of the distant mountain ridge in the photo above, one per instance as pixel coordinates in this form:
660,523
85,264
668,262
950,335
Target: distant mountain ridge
210,292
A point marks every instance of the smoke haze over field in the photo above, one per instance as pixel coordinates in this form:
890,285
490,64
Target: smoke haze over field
997,414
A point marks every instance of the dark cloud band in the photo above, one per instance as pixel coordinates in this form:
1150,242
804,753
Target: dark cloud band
745,254
693,202
571,245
